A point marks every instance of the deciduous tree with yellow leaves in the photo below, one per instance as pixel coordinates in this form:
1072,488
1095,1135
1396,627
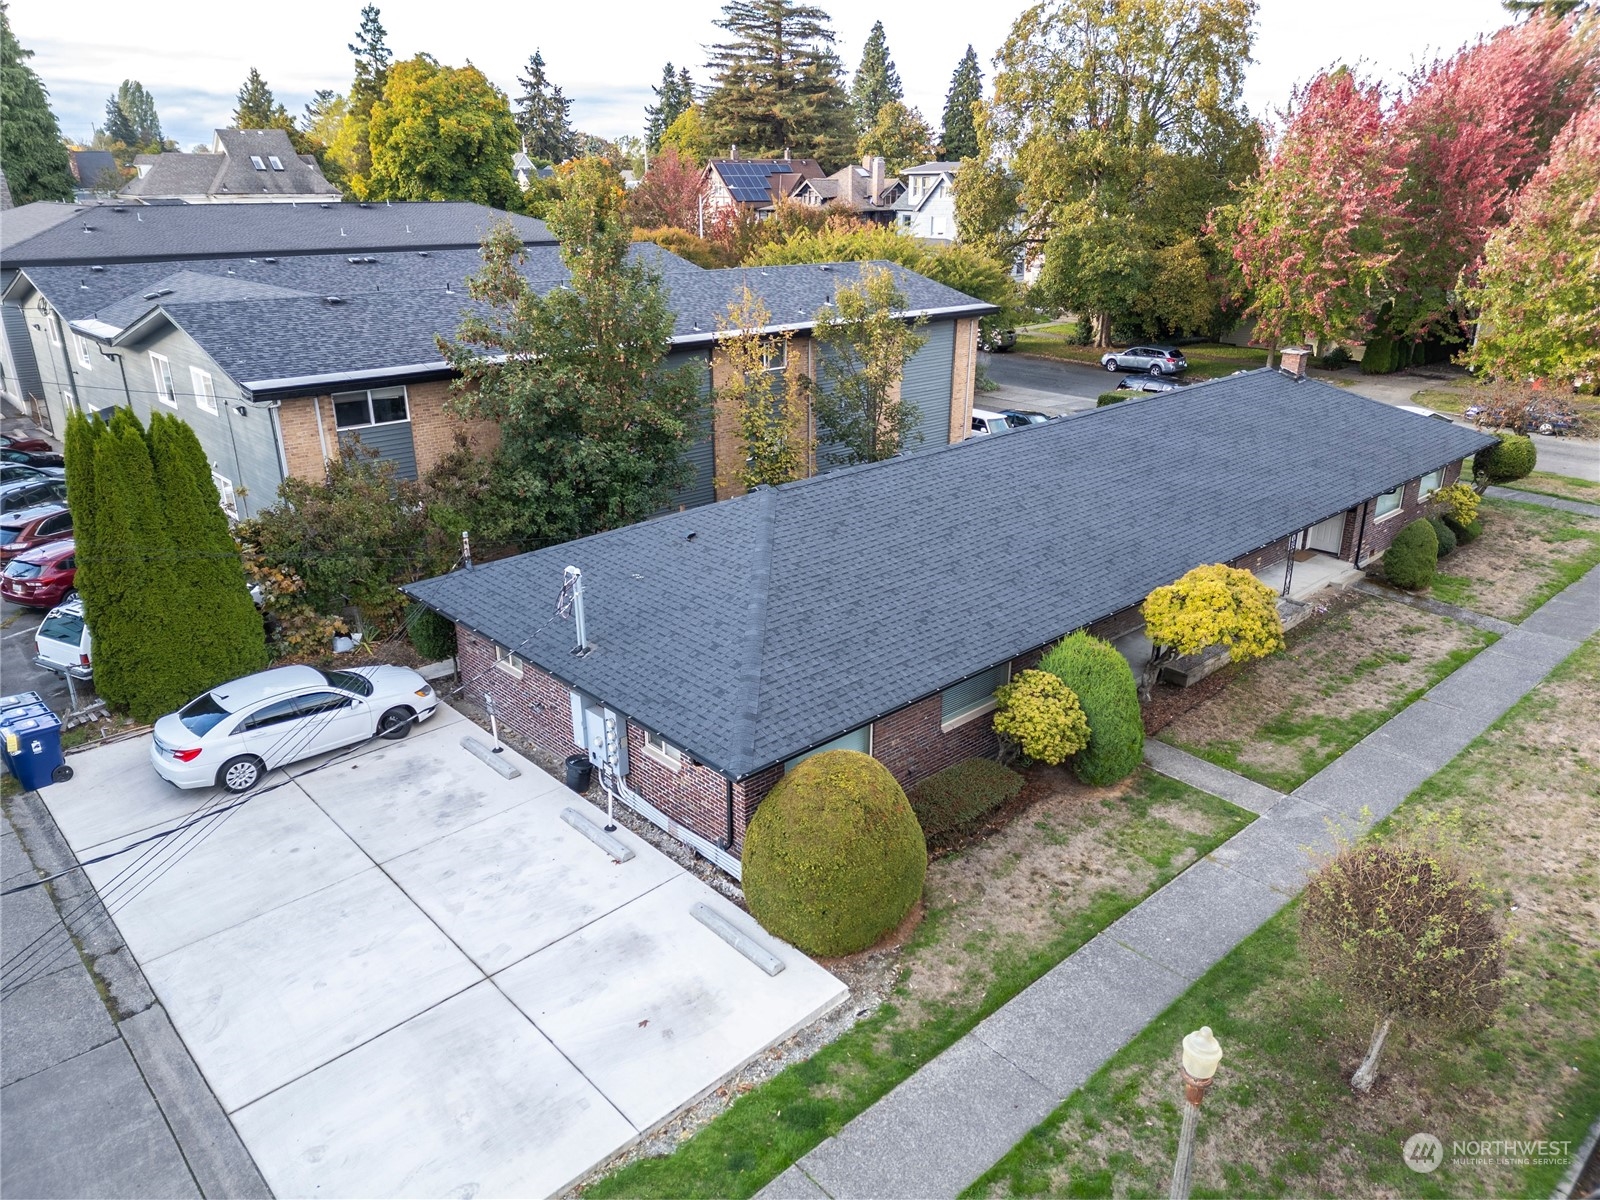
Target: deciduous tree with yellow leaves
1215,605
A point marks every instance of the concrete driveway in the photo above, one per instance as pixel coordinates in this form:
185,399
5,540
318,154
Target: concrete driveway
1041,384
403,975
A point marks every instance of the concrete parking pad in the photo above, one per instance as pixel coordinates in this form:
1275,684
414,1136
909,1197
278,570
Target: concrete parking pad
516,882
467,1099
402,974
270,999
655,1008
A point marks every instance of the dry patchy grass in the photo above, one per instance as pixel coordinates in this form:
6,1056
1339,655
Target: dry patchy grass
1282,719
1523,804
1567,487
1526,554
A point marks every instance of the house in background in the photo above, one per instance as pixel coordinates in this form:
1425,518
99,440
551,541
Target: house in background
95,171
926,208
875,609
281,332
863,191
735,184
245,166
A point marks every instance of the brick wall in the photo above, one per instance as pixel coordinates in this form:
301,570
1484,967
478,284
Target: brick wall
1277,552
433,429
913,747
535,706
1379,533
727,447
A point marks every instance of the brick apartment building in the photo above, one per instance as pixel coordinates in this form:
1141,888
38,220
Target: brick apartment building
878,607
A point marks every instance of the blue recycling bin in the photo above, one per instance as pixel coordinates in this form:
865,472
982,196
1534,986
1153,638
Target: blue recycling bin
17,701
33,750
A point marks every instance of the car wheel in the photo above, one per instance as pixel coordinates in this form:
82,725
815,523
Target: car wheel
69,595
1111,365
1547,428
396,723
240,774
1157,369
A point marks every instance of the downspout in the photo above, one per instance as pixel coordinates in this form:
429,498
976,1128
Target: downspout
728,842
1361,532
322,437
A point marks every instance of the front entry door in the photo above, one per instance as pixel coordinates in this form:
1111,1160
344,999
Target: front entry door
1327,536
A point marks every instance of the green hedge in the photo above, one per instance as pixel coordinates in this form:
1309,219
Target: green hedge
1116,397
1382,356
1465,533
433,636
1412,557
834,857
1513,458
1445,535
1106,689
961,794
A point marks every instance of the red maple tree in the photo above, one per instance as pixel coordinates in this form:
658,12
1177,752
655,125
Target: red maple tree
669,193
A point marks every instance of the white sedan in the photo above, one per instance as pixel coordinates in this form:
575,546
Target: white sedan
234,734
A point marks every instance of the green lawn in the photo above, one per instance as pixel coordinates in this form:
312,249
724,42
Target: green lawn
999,915
1207,360
1566,487
1282,719
1523,802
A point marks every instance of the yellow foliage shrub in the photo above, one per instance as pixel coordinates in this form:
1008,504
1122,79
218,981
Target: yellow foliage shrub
1042,716
1215,605
1459,502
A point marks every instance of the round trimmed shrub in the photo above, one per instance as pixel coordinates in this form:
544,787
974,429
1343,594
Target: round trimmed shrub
834,857
1041,716
432,635
1411,559
1096,671
1470,532
1445,535
1512,458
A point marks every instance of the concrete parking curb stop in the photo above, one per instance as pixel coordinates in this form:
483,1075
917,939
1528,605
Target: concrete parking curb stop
478,750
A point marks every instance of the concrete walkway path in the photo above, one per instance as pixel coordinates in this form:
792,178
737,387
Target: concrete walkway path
947,1124
1522,497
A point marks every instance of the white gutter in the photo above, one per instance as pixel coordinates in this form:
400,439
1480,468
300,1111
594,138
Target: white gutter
96,328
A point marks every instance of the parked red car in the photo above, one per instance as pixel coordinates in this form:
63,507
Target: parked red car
10,441
41,577
30,527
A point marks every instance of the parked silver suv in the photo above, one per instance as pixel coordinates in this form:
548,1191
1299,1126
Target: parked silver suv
1158,360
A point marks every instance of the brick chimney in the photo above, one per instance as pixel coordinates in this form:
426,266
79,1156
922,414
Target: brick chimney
1295,359
733,152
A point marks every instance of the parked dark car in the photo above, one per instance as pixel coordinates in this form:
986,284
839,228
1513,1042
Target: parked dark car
997,341
41,577
18,494
32,458
1150,383
1157,360
15,472
10,441
30,527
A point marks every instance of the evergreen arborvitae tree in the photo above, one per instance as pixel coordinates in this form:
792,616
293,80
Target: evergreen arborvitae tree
223,636
775,84
673,97
131,116
876,81
31,152
959,138
136,642
544,115
83,433
258,107
373,57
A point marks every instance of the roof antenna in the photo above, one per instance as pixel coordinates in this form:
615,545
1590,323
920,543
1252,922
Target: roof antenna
570,603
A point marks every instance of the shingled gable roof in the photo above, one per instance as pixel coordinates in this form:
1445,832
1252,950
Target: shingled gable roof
750,630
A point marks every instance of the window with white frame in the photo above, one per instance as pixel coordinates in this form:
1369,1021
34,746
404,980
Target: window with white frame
162,370
659,748
230,502
971,698
775,354
255,161
205,394
83,352
380,406
1389,503
1430,484
277,163
52,328
508,662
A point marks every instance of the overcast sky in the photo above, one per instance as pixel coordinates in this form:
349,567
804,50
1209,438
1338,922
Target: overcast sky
606,54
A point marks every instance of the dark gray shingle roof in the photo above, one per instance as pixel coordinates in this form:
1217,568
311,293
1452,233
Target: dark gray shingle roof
798,613
47,233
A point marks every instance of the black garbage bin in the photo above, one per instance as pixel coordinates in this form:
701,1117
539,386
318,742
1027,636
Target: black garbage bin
579,771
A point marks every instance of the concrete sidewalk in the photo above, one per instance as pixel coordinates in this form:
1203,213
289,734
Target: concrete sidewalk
99,1096
1019,1064
1522,497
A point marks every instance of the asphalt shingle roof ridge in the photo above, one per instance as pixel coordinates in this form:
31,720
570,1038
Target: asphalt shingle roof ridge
747,712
